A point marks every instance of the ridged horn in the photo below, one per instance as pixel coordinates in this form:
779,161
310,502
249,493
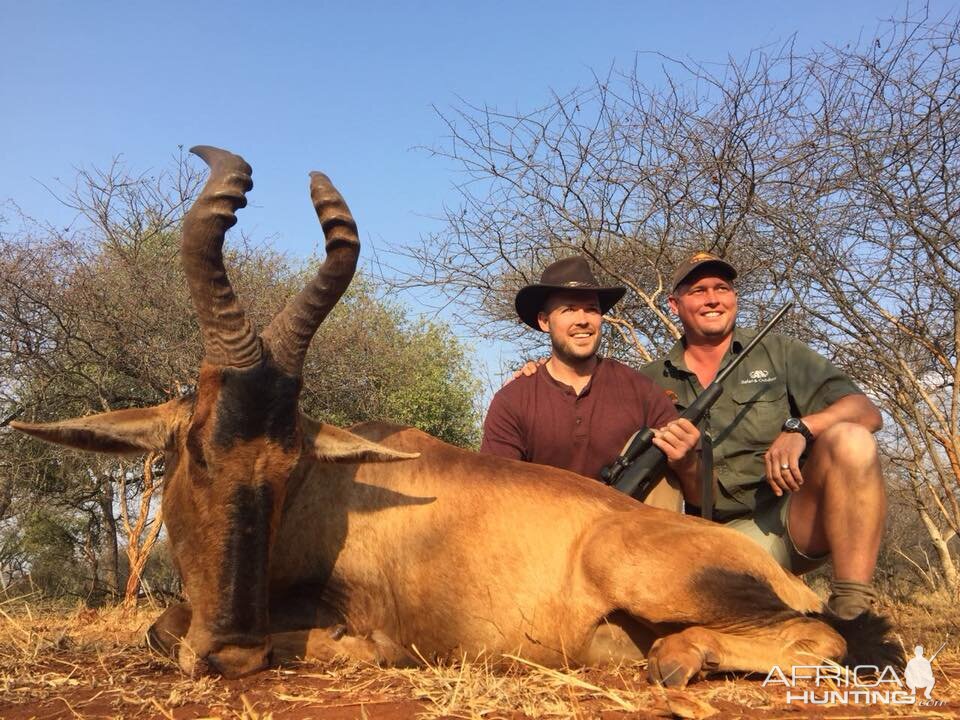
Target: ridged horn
228,338
289,333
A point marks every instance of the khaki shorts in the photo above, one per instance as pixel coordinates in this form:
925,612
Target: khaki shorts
769,526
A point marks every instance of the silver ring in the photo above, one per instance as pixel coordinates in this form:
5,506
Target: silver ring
784,467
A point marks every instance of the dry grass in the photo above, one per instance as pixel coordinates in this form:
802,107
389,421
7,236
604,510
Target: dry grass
48,652
929,620
82,663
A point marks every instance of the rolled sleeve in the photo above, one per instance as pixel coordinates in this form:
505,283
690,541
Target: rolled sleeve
814,383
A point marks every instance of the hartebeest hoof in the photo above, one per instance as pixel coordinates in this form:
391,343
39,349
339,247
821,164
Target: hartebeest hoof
673,661
674,672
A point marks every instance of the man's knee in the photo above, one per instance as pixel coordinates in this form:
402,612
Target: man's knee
664,495
846,457
847,444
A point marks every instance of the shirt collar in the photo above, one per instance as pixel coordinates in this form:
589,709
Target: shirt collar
675,359
568,388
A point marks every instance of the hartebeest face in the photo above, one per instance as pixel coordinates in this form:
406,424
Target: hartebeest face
229,468
231,448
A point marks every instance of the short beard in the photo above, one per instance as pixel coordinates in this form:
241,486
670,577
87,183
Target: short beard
718,334
715,333
569,358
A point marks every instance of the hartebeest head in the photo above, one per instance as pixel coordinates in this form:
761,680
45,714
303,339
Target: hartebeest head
231,448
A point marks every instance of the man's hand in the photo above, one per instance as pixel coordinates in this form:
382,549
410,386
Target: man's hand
529,368
783,463
678,440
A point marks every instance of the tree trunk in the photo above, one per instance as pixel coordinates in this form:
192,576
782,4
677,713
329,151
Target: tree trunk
111,550
141,533
89,550
947,565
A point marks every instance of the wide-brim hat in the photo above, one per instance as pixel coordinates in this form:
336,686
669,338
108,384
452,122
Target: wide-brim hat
572,273
702,260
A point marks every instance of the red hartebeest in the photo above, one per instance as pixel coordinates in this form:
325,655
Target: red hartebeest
295,538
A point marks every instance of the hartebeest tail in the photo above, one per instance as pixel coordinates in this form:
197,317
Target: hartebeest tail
869,640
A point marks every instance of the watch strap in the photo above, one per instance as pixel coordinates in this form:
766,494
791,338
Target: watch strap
796,425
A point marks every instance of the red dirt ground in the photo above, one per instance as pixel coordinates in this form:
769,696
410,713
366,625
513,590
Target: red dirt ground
81,686
82,663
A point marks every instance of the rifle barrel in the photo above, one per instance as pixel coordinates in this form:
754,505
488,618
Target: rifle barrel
722,375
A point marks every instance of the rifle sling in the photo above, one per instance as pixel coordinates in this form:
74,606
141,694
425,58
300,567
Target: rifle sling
706,476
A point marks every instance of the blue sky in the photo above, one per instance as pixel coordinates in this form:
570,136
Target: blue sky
346,88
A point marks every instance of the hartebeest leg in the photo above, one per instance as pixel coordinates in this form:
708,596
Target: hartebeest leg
617,638
734,607
334,643
675,659
168,630
632,560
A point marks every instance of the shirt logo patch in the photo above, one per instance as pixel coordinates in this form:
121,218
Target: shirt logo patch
758,376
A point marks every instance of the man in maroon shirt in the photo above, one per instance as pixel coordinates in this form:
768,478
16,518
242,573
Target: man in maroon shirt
580,413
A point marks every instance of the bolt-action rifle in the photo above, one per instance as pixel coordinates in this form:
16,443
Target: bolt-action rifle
642,464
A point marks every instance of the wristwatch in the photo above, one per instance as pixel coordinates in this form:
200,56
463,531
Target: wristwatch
796,425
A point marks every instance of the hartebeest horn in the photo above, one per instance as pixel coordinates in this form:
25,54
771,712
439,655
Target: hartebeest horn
290,332
228,338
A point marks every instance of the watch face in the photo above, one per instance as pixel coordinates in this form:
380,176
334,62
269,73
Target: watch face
795,425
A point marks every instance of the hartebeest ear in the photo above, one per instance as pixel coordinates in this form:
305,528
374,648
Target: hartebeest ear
121,432
332,444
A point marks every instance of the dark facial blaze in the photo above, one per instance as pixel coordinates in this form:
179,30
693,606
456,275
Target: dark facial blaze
243,443
259,402
246,564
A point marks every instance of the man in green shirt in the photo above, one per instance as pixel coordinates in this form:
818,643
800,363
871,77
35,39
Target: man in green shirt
796,464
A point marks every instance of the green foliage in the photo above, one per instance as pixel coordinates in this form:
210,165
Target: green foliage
50,549
438,391
370,361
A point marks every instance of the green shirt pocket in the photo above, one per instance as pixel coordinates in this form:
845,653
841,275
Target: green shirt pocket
759,411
